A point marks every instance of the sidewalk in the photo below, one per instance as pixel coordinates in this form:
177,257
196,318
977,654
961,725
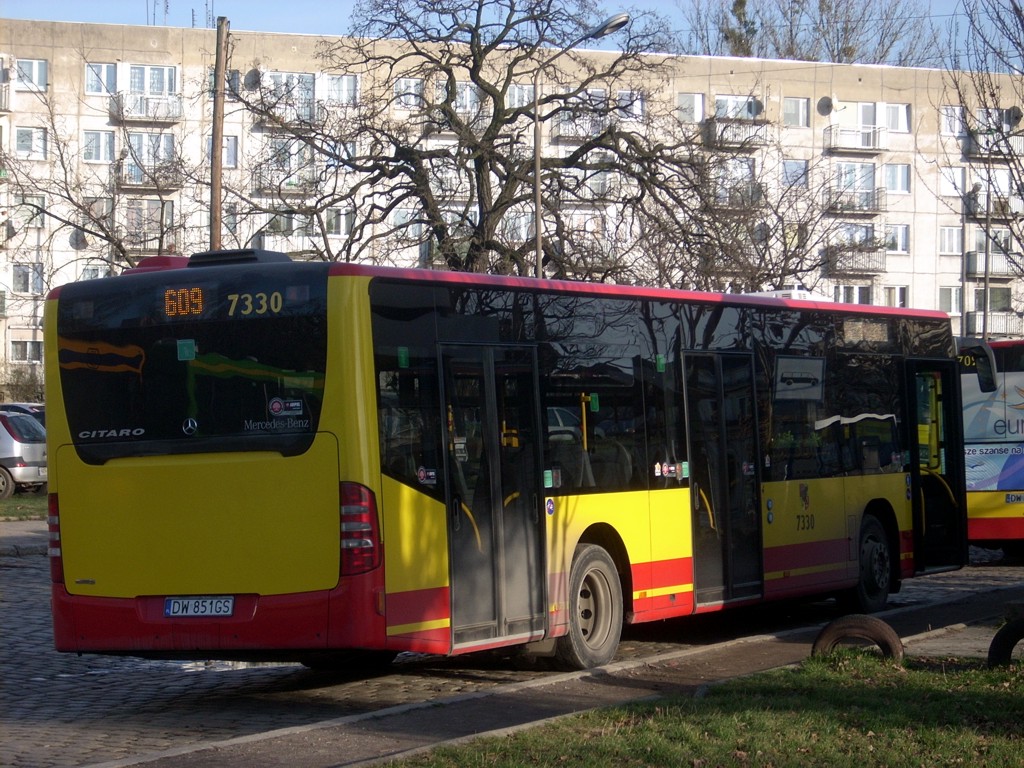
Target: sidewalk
23,537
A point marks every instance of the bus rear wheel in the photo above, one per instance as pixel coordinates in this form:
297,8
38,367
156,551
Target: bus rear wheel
875,563
595,611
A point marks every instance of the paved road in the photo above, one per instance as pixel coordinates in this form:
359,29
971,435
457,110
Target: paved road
63,710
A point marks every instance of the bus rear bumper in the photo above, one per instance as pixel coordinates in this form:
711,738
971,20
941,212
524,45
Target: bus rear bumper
271,627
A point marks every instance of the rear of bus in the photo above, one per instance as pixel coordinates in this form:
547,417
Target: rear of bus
197,508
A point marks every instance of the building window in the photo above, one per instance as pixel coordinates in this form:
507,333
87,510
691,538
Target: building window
229,151
153,81
630,105
796,112
149,223
337,221
951,299
409,93
999,299
30,211
98,147
100,79
737,107
897,118
232,83
897,177
281,224
951,121
28,278
30,143
951,241
853,294
96,271
32,75
999,237
229,217
896,295
27,351
342,89
691,107
794,173
897,238
519,95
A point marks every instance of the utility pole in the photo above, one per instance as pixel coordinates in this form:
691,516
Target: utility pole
217,150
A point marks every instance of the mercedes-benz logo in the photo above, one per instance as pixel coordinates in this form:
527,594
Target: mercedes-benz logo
189,426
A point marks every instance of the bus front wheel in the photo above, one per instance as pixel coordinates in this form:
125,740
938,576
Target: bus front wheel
872,590
595,611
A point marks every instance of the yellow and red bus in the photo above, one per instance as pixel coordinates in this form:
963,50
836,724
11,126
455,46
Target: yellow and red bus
994,450
254,458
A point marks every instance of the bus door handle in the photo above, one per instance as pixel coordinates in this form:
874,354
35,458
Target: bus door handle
456,505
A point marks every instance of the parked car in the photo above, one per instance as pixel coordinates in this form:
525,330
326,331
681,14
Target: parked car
36,410
22,454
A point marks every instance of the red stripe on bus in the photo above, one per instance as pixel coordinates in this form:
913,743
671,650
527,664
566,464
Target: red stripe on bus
418,605
979,529
811,554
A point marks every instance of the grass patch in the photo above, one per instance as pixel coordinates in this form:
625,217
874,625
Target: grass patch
23,506
851,708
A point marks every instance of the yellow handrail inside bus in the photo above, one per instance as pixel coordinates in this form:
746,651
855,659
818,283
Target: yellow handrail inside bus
711,512
472,521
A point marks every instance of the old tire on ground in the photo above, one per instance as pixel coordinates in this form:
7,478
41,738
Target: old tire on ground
857,626
595,611
6,484
875,562
1000,651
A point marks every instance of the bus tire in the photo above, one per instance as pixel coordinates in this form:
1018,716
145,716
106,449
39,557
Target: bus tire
1000,651
6,484
858,626
875,568
595,611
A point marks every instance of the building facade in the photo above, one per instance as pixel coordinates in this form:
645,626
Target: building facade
106,136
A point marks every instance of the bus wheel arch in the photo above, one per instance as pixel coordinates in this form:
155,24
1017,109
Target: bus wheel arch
595,610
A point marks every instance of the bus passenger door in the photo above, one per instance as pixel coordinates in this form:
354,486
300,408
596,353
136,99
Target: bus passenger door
938,484
494,519
724,485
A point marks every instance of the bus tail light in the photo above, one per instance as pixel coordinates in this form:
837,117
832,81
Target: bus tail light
360,531
53,548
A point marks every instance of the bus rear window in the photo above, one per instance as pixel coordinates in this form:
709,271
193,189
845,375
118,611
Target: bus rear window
194,360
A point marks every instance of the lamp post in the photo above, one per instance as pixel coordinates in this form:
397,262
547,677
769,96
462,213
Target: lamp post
612,24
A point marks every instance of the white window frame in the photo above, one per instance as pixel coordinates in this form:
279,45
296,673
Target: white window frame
630,105
31,74
1000,298
952,121
30,211
853,294
519,95
338,222
796,111
27,278
896,295
732,107
897,118
690,107
897,178
31,142
342,90
793,180
98,146
26,351
951,181
409,93
149,217
951,241
152,80
100,79
951,299
897,238
95,271
228,151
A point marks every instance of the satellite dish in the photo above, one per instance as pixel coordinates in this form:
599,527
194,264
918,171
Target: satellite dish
1015,115
826,105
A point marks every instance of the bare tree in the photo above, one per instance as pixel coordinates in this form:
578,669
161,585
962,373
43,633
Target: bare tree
896,32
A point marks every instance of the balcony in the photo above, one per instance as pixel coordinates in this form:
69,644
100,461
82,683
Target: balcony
999,323
1001,264
150,176
866,140
854,202
733,133
853,260
140,108
738,196
269,180
282,111
577,127
993,146
979,204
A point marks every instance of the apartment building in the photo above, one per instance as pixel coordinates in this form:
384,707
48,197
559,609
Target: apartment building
105,135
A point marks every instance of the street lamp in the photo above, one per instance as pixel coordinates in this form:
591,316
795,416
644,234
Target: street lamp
612,24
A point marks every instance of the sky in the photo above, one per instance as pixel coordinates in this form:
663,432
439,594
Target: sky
329,17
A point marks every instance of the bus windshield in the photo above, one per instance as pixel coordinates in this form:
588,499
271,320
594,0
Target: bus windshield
195,360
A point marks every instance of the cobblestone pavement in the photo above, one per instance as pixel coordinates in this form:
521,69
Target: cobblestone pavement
63,710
